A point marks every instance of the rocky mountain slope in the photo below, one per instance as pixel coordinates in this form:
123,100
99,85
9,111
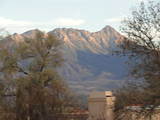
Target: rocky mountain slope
89,63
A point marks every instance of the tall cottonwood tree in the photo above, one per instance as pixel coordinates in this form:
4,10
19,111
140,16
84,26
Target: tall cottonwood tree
142,44
30,87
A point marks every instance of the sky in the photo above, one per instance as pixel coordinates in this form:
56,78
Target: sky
18,16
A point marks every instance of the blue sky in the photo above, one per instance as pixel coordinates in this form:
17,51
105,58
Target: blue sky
22,15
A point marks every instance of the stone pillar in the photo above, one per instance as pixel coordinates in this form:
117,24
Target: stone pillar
101,105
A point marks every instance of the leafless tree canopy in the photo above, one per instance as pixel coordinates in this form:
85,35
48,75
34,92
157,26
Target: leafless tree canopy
142,45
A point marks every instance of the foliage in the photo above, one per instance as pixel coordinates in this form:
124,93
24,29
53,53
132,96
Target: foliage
30,87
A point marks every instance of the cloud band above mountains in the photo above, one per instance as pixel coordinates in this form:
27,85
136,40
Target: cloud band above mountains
20,25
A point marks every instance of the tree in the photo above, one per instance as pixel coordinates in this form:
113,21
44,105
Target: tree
142,44
30,87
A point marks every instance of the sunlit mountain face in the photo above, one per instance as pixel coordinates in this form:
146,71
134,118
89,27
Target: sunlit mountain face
89,61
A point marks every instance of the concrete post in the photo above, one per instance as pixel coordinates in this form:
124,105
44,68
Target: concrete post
101,105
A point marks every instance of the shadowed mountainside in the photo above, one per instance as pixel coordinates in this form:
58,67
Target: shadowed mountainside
89,63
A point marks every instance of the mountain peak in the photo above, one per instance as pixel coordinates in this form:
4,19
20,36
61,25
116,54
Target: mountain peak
31,33
69,30
108,28
17,37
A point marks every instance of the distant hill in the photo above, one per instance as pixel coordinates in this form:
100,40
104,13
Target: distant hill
89,63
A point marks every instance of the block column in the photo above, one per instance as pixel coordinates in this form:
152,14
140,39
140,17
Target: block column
101,105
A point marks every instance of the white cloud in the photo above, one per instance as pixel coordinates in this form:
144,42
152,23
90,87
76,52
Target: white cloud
114,20
68,22
5,22
21,26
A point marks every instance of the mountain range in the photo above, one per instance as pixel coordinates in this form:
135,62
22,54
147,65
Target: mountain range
89,60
